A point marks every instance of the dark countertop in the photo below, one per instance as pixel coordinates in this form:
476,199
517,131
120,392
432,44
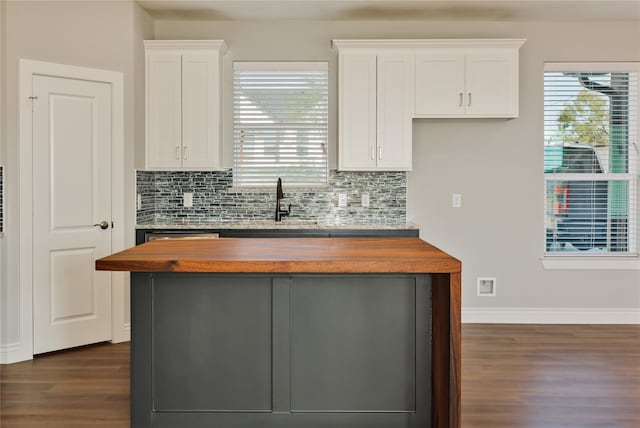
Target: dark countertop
271,224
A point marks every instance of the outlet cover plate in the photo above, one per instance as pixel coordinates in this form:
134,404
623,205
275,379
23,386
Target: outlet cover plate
365,200
187,199
456,200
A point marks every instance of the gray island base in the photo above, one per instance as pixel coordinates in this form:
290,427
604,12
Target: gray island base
283,350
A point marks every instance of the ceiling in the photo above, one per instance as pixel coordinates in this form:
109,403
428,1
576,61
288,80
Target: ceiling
485,10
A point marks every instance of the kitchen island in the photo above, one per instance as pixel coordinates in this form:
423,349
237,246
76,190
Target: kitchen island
293,332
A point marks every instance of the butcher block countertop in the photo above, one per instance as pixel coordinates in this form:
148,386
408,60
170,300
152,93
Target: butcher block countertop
283,255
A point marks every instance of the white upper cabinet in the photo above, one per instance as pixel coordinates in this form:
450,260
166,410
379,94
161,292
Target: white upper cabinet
394,110
440,84
375,103
163,110
183,104
357,112
467,78
384,84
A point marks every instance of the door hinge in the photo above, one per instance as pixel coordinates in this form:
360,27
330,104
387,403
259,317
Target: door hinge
32,98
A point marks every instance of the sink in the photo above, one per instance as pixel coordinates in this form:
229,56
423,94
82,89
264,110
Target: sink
272,224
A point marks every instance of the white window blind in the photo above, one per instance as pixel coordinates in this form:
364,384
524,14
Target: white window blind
280,116
591,158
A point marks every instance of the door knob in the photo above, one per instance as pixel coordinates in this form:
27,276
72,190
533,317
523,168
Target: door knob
103,224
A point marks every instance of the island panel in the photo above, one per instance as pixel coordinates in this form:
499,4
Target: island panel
355,348
211,343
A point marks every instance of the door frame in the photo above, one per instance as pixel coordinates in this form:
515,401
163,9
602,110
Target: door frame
120,331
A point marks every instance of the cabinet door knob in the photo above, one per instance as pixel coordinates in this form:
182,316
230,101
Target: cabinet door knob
460,102
185,152
373,153
469,95
380,153
178,152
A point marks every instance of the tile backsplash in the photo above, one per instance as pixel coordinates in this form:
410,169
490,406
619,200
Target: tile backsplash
214,199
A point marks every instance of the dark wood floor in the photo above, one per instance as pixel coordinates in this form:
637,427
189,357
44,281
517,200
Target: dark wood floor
547,376
84,387
513,376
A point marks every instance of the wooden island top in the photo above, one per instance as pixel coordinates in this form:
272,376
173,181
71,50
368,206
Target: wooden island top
283,255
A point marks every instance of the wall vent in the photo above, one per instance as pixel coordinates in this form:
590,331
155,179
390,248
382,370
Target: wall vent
486,286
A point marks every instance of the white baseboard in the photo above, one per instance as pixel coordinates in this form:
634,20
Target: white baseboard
550,316
124,334
13,353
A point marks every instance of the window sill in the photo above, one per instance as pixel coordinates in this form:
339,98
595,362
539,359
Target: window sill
591,262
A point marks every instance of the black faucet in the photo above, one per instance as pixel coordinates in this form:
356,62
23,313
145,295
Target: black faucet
279,195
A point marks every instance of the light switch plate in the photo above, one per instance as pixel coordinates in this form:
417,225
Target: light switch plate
342,200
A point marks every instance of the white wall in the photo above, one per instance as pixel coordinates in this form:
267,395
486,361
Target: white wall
3,241
143,27
105,35
495,164
143,30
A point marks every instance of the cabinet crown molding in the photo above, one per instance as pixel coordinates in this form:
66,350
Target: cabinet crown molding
425,43
219,45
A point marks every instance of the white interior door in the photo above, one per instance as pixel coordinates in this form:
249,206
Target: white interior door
71,194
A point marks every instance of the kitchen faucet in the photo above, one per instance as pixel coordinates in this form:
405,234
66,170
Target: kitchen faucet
279,195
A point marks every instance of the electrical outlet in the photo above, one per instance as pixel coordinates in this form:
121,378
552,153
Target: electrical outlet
187,199
138,201
342,200
456,200
486,286
365,200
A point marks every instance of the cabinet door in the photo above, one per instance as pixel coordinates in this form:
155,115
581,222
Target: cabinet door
357,112
492,85
395,91
439,85
163,142
200,110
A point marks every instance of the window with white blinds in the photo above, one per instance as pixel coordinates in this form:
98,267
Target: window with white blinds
280,116
591,158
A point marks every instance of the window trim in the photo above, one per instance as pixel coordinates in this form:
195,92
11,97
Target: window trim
590,262
598,260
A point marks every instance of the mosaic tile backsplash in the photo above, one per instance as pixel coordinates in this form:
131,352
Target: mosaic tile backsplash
214,199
